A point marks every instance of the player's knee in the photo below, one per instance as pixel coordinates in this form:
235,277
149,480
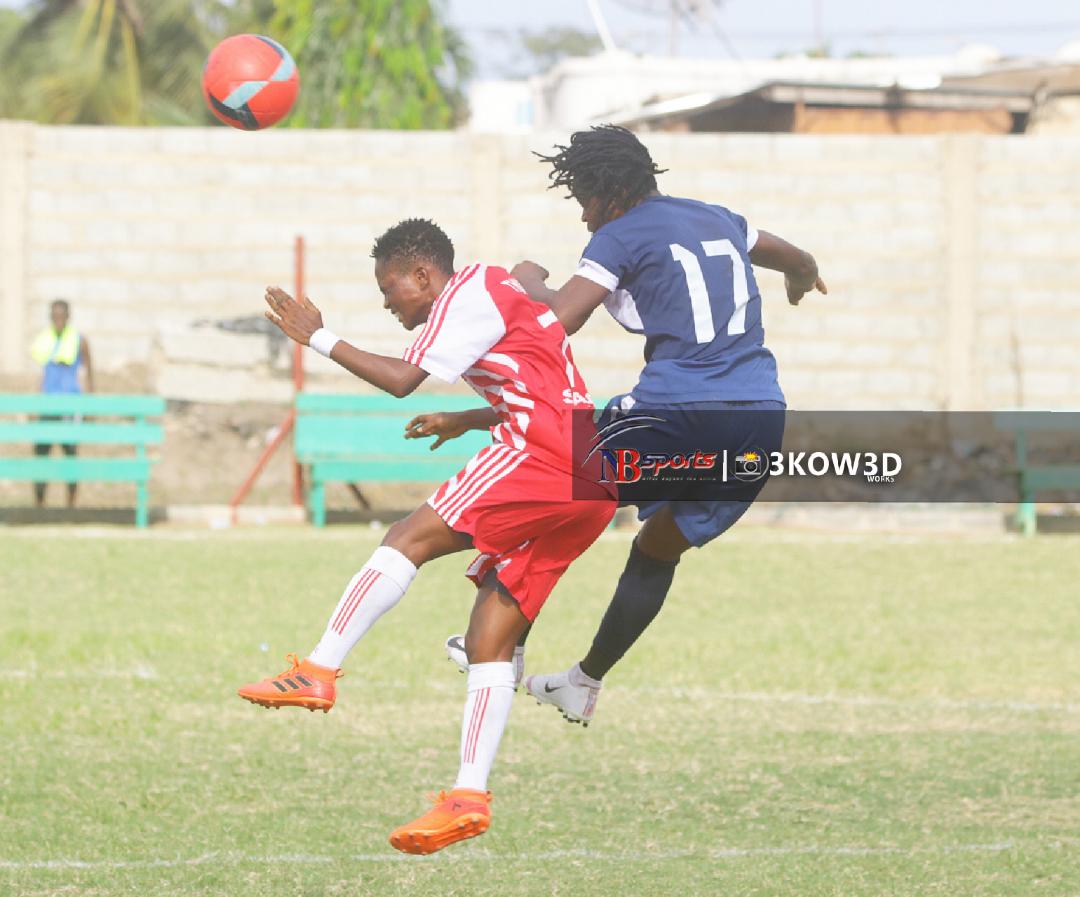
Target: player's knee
399,535
470,648
477,648
486,649
664,542
408,541
423,536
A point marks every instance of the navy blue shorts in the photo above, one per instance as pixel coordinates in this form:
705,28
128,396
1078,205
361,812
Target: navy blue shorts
705,501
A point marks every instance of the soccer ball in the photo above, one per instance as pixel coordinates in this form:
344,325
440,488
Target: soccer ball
250,82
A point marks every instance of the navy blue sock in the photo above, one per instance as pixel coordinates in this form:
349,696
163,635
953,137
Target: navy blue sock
640,594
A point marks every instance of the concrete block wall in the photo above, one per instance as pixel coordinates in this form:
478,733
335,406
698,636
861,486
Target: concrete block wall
953,262
1028,236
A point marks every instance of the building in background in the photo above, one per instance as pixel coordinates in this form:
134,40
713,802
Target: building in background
806,108
974,90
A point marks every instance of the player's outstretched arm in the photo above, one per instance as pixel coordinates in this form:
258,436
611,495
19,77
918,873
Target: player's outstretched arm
572,303
300,321
450,424
798,266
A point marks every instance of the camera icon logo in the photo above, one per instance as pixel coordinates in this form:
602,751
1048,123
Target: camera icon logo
750,466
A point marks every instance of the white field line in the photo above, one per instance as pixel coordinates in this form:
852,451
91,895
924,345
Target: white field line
141,671
751,531
720,853
146,673
1017,706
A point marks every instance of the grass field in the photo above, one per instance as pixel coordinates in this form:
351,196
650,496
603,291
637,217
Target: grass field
809,716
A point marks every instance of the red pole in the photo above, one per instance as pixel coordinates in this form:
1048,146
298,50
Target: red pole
241,493
298,370
290,419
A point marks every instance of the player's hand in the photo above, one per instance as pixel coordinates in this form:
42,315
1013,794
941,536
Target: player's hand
529,271
297,320
795,291
444,424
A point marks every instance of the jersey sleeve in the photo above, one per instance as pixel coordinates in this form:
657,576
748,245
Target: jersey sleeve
605,261
463,327
748,230
751,234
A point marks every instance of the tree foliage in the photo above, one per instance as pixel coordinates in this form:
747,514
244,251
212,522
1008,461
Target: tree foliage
372,63
109,61
363,63
547,47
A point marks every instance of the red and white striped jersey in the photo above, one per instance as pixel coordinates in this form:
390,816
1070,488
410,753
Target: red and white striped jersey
513,351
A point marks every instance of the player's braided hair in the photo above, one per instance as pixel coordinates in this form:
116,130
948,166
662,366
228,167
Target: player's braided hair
605,161
415,238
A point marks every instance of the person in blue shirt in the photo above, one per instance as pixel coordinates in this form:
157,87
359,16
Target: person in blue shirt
679,272
61,351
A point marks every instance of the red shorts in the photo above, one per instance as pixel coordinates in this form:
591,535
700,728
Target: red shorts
522,519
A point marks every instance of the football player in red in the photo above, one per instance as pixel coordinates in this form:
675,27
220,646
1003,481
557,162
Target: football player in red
526,503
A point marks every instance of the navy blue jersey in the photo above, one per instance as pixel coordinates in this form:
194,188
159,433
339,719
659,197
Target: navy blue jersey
679,272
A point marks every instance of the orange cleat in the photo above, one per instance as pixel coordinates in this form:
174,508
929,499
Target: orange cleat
457,815
304,684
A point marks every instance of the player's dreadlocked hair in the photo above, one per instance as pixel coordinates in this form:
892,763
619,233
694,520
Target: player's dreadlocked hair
605,161
415,238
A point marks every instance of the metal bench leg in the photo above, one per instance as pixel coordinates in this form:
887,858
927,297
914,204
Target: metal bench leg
317,498
1027,518
142,501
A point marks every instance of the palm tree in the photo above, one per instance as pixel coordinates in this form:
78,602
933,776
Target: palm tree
363,63
110,61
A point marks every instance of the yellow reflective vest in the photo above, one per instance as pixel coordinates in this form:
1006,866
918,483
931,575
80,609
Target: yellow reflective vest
48,346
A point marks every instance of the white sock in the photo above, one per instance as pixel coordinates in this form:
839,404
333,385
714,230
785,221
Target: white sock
371,593
577,678
519,664
491,692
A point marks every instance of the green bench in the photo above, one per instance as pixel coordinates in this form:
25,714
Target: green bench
1034,478
357,438
99,420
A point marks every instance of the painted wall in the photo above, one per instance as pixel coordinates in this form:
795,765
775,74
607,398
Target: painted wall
953,262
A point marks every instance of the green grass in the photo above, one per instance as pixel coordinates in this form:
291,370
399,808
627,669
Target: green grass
809,716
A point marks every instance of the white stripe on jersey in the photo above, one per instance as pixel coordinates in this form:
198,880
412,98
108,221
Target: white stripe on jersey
479,372
502,431
451,508
511,398
481,461
499,358
569,363
478,483
597,273
480,488
435,321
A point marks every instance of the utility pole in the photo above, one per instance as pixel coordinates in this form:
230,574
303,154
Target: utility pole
694,11
601,25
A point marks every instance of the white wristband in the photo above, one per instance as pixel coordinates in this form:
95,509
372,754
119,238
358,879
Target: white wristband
323,341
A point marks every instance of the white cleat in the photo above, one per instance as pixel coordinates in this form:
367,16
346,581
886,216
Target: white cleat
576,703
455,651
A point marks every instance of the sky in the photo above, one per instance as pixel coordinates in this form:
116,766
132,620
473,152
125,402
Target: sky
747,29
